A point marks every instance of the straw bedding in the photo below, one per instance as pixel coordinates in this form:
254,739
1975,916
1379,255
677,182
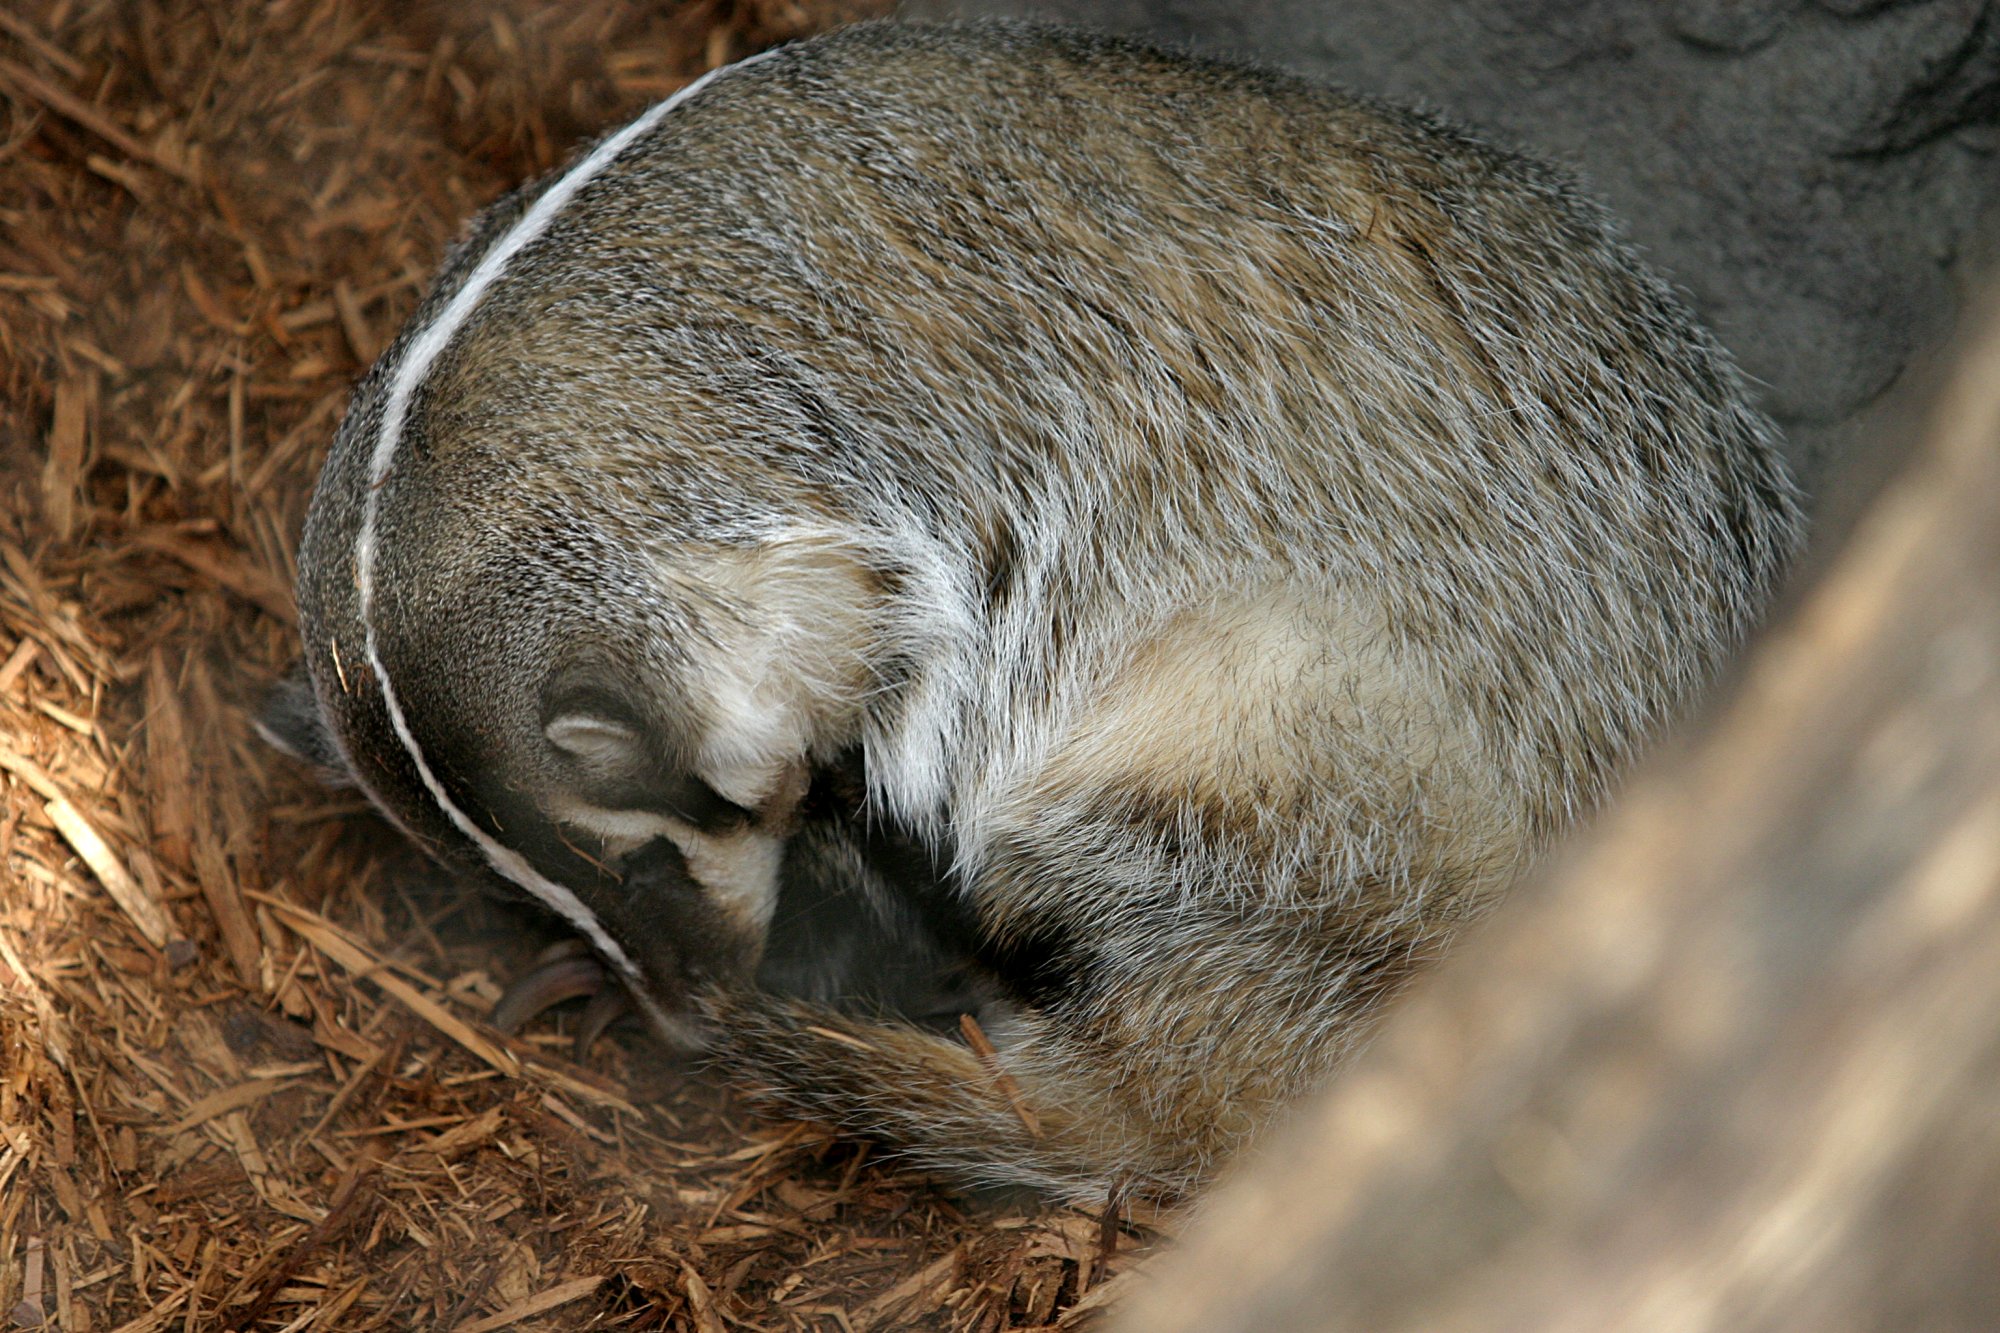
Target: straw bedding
244,1079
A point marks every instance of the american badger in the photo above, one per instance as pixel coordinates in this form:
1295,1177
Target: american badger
1169,537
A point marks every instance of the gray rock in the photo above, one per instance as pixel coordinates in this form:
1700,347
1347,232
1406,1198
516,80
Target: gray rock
1809,172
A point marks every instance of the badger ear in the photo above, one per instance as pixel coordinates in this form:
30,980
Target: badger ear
291,721
606,744
589,715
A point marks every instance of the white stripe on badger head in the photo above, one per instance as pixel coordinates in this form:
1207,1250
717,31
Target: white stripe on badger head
421,355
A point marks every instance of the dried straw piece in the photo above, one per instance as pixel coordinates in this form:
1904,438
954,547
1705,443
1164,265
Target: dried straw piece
221,1103
158,1317
31,87
144,911
231,569
138,904
169,767
982,1046
701,1302
34,41
31,773
330,940
540,1303
929,1279
18,661
54,1033
62,474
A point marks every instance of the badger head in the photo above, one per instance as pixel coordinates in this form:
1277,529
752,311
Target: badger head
556,647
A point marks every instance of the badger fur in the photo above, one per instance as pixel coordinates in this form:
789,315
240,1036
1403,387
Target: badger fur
1221,527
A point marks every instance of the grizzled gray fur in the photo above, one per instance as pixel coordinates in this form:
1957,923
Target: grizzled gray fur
1171,537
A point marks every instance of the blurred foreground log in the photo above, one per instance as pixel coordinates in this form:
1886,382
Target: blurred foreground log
1735,1063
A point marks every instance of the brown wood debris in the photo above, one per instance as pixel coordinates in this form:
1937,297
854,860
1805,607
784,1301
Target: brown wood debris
244,1081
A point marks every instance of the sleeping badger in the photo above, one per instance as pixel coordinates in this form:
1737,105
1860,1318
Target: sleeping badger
1002,521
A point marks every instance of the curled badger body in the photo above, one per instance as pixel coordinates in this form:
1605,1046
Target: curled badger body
1172,537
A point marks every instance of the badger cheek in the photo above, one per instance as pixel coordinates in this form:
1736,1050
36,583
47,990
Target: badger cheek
738,873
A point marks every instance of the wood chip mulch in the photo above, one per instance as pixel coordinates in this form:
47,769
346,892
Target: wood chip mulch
244,1079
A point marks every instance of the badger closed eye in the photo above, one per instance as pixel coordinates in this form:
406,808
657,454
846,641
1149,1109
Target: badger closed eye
1233,524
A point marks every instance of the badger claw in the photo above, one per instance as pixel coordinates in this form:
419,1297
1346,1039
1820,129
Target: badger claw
605,1008
564,971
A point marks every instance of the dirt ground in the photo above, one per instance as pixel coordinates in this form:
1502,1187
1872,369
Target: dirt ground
244,1082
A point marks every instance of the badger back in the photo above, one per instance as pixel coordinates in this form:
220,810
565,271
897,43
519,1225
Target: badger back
1041,330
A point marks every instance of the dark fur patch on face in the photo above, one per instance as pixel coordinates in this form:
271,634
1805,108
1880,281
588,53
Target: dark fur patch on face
671,925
